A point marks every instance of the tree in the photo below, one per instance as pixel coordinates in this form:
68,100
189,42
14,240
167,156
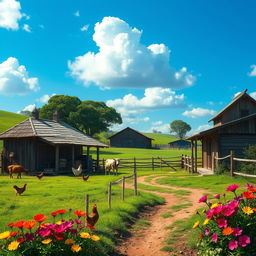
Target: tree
88,116
180,128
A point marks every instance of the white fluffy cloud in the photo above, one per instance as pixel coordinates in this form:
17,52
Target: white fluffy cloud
14,79
85,27
77,14
163,128
202,128
253,71
253,94
124,62
27,28
157,123
29,108
10,14
154,98
198,112
45,98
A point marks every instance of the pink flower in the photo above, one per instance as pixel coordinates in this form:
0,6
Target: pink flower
44,232
203,199
250,186
233,244
210,213
237,231
214,237
227,210
207,231
222,223
232,187
217,196
244,240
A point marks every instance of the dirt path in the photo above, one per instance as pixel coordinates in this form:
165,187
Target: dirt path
149,241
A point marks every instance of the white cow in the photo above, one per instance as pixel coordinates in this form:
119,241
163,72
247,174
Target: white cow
112,165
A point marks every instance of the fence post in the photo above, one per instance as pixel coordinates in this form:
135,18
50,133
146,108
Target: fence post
182,161
109,195
189,162
134,163
153,167
161,164
123,187
86,204
231,163
135,181
103,165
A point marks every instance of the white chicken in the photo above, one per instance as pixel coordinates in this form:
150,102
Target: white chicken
77,171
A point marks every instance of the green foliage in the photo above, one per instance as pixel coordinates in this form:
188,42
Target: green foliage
250,168
221,168
180,128
89,116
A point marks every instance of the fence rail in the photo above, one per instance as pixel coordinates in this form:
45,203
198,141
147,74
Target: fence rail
232,164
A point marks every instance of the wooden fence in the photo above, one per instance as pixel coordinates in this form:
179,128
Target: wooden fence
123,179
149,163
232,160
190,164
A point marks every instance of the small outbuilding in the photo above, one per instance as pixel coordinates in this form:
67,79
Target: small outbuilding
180,144
130,138
47,145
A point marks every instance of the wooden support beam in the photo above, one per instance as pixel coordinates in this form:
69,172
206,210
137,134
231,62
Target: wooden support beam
196,156
192,156
98,158
231,163
73,155
57,158
88,159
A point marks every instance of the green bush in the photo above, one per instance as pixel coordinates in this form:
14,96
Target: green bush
221,168
250,168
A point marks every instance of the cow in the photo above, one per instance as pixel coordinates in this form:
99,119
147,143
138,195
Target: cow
15,168
112,165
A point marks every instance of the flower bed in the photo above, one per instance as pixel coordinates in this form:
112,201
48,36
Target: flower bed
228,226
59,237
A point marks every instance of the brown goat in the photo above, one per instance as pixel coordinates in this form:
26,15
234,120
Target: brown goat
16,169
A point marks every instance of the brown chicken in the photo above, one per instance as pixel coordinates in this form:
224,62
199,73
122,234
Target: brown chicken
85,178
40,176
18,190
93,217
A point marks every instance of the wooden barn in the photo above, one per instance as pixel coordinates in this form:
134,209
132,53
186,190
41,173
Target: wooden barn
47,145
180,144
130,138
234,129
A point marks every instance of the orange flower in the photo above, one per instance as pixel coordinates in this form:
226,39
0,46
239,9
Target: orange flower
248,195
13,234
29,224
40,217
79,213
252,190
61,211
10,224
90,226
19,224
227,231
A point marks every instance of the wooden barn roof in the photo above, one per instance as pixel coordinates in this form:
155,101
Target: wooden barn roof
216,128
128,128
239,96
50,131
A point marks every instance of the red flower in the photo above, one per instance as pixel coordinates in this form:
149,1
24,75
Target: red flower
61,211
19,224
252,190
20,240
29,224
90,226
79,213
232,187
10,224
40,217
203,199
13,234
248,195
54,214
59,236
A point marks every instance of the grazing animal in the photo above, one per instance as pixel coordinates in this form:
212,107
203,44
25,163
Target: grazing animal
15,168
40,176
85,178
112,165
78,171
18,190
93,217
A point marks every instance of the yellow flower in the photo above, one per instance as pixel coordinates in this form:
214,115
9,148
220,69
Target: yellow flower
4,235
59,222
76,248
46,241
69,241
247,210
196,224
206,221
215,205
84,235
13,246
95,238
204,210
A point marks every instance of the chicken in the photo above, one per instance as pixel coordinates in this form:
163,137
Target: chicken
85,178
18,190
78,171
40,176
93,217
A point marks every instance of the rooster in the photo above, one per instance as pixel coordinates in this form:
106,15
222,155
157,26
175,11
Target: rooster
85,178
78,171
40,176
93,217
18,190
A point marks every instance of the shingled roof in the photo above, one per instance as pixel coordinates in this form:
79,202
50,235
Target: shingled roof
50,131
129,128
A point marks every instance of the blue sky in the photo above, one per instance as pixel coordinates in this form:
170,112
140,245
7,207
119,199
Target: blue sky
154,61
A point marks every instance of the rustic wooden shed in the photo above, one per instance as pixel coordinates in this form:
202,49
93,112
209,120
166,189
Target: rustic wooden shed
234,129
130,138
179,144
39,145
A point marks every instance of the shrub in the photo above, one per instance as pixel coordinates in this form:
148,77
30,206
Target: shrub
221,168
250,168
59,237
228,227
